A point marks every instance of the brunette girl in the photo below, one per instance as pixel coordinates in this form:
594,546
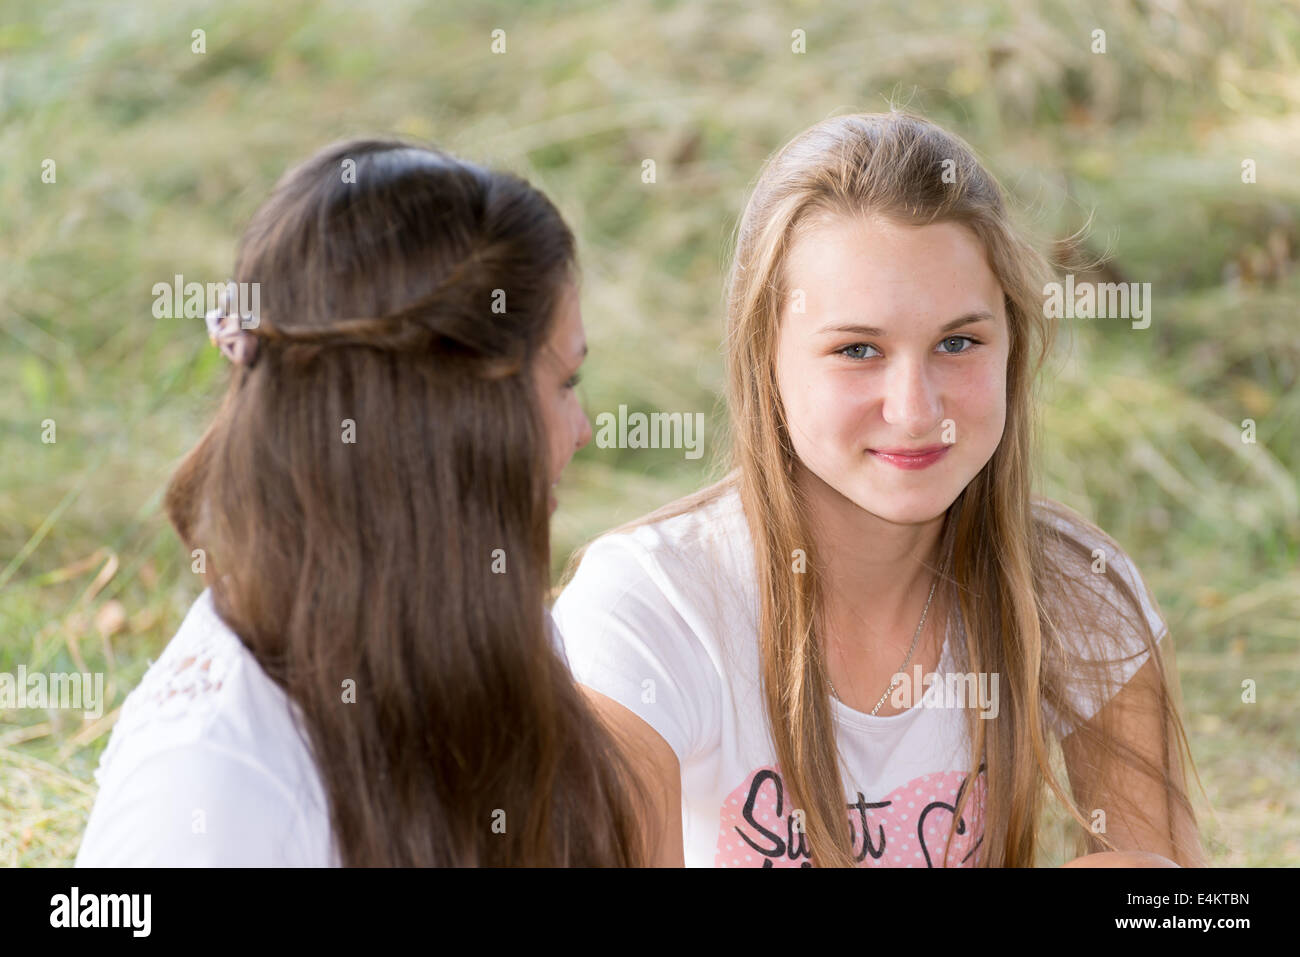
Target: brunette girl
371,677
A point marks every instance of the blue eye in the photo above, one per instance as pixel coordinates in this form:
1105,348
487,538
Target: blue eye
855,351
973,341
857,345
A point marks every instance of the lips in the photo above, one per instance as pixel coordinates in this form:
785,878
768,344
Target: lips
923,450
910,459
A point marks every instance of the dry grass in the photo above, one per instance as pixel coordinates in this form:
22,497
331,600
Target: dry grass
162,155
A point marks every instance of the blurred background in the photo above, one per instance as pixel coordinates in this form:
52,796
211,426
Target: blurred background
162,153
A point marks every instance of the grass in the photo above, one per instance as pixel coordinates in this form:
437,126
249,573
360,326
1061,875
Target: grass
161,154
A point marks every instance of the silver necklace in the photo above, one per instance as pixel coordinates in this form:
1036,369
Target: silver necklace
894,684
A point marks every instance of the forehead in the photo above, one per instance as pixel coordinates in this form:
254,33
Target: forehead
870,268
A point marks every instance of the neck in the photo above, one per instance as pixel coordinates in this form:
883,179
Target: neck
876,573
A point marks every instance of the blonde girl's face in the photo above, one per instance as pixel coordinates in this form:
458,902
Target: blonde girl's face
893,339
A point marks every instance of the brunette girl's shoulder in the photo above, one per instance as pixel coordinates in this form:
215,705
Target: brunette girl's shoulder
182,692
207,732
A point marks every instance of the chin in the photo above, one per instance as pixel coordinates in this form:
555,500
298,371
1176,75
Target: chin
903,509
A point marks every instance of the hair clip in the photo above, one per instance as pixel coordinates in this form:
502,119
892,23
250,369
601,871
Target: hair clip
226,329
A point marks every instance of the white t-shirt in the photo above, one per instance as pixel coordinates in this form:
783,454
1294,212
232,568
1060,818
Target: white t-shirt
664,620
207,766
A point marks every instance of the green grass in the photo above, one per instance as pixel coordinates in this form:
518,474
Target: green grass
162,154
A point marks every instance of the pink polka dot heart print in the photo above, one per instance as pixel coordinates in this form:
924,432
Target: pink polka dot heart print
906,828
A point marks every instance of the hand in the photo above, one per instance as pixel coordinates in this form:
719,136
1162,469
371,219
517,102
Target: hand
1121,859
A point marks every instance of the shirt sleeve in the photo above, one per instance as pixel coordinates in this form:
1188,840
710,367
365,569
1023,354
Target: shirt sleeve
1120,643
627,639
557,640
196,806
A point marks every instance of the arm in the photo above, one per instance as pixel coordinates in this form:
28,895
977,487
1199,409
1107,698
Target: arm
1120,859
660,778
196,806
646,672
1148,829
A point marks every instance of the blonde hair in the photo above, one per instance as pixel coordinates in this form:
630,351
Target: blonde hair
1020,584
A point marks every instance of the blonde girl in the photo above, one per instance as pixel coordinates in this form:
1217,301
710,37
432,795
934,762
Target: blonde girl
861,645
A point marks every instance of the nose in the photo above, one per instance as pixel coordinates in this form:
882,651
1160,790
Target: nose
911,402
584,429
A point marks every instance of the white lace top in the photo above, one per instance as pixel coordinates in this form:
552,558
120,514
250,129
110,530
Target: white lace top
206,765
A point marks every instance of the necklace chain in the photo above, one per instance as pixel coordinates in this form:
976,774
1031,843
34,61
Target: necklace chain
894,683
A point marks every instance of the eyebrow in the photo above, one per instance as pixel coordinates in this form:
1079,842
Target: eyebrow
957,323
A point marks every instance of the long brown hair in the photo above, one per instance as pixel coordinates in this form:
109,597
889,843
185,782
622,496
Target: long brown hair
1027,593
372,498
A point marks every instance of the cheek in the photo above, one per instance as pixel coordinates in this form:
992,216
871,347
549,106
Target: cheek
553,425
841,407
824,409
800,396
561,429
977,398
